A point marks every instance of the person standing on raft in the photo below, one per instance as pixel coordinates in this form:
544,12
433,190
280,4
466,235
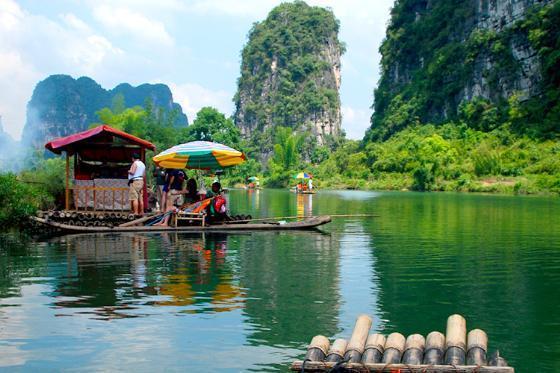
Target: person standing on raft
136,175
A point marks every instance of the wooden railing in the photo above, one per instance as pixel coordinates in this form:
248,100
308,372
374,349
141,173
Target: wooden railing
92,198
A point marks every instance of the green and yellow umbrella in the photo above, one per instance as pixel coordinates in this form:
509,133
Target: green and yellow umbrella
303,175
200,155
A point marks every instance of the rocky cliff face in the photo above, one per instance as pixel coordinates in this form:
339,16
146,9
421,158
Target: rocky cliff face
438,55
61,105
499,17
290,75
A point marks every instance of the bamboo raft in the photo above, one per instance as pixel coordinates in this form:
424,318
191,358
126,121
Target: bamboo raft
453,352
107,225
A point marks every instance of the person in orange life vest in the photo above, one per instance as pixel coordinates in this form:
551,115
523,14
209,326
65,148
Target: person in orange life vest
217,211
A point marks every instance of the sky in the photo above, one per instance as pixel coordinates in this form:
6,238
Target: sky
193,46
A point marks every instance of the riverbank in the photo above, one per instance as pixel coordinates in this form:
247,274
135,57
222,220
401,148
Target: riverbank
521,185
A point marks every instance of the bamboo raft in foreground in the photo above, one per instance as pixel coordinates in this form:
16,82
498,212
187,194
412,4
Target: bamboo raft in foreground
270,225
453,352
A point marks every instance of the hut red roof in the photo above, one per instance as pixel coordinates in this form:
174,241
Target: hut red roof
69,143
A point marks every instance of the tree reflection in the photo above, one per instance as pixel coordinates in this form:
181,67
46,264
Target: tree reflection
291,280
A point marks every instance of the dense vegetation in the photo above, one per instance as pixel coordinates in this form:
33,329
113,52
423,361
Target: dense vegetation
428,61
286,73
422,137
41,184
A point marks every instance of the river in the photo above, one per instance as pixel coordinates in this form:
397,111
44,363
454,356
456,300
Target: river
253,301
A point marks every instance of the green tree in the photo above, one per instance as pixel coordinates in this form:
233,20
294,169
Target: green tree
211,125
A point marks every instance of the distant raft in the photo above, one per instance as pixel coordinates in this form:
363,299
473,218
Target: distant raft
456,351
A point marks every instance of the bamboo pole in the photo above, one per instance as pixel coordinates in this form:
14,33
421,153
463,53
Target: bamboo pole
394,347
477,345
375,346
67,190
455,340
321,366
414,349
305,217
358,339
318,348
435,344
337,350
140,220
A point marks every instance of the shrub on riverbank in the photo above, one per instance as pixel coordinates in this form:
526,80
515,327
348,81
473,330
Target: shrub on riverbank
452,157
19,200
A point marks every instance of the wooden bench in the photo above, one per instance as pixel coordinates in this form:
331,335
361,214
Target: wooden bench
189,217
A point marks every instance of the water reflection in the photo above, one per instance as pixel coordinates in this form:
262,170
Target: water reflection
304,205
292,288
117,273
255,300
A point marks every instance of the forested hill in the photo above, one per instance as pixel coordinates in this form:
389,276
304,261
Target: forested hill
290,77
61,105
485,63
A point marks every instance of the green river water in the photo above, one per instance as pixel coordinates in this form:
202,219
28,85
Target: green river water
253,301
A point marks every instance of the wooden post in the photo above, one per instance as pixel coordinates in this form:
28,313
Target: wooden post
337,350
67,191
477,345
414,349
455,340
318,348
145,187
393,349
358,340
375,346
435,343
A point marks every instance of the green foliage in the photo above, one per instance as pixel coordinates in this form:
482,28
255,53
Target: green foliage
286,157
48,175
429,57
19,200
486,160
451,157
283,72
211,125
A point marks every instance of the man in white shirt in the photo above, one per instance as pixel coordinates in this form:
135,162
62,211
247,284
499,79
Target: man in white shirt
136,184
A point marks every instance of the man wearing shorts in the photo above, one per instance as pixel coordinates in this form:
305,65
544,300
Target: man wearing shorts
136,175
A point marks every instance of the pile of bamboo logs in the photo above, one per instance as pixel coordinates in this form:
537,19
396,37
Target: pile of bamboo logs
87,219
453,352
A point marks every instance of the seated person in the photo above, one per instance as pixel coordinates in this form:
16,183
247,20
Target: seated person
191,194
217,211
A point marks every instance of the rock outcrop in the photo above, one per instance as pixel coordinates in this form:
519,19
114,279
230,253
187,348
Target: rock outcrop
61,105
438,55
290,75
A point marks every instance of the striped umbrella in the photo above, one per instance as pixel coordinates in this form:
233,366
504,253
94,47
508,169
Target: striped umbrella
201,155
303,175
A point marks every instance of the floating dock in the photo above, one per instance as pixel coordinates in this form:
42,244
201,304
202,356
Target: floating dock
456,351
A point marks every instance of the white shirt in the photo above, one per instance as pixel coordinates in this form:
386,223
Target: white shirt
140,169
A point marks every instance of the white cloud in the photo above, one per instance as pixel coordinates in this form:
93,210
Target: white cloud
74,22
33,47
133,24
136,41
355,122
245,8
193,97
10,14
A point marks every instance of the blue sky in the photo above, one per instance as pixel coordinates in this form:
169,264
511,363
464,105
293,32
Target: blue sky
193,46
